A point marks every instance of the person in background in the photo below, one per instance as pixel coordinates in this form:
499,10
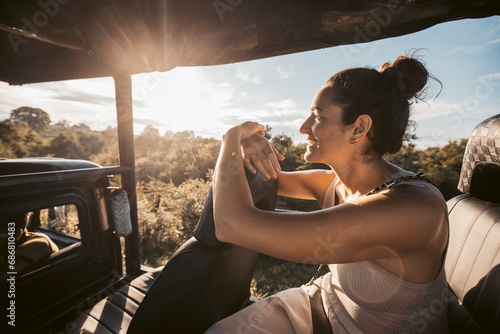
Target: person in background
31,247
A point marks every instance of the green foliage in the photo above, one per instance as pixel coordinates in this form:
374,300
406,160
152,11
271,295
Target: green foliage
17,139
174,157
167,216
440,164
107,155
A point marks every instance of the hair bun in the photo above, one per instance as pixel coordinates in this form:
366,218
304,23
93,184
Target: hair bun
408,75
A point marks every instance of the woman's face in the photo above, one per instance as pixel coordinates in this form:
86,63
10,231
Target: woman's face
327,136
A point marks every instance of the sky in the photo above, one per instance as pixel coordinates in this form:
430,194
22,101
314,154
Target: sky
464,55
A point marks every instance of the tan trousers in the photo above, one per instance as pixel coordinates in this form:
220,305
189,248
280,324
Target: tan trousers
286,312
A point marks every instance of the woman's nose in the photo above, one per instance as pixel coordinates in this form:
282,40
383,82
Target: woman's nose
306,126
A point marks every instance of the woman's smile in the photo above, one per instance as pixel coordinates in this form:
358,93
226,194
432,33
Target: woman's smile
312,142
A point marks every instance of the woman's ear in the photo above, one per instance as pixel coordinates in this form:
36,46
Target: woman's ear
362,126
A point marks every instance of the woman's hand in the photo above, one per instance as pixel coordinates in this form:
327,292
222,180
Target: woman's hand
244,130
263,155
256,147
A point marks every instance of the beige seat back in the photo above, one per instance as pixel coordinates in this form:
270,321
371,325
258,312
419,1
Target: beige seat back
473,259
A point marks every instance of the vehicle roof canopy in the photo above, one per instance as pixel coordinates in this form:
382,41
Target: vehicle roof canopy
50,40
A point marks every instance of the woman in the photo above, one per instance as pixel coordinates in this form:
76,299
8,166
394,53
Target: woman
385,250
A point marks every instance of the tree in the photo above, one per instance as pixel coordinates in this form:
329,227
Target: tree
63,124
267,132
17,139
36,118
150,130
64,146
443,165
407,158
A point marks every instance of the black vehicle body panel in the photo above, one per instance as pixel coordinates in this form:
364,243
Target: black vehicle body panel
59,284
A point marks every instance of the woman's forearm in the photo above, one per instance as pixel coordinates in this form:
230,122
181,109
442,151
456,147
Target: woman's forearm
232,197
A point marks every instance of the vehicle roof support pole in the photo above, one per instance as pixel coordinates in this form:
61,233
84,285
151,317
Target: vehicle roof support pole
124,113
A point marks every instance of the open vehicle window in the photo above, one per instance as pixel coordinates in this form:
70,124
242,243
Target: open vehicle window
32,238
62,219
22,248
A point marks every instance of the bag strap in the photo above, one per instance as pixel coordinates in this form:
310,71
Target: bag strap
387,185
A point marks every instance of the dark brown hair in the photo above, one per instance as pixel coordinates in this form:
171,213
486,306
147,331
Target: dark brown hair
385,95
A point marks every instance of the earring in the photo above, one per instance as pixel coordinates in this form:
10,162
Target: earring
352,141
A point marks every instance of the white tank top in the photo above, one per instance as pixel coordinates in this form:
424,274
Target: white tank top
362,297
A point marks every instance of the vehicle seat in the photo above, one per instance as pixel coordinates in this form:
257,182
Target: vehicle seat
205,280
473,260
114,313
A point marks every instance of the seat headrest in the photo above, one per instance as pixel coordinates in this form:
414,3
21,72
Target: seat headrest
485,182
483,147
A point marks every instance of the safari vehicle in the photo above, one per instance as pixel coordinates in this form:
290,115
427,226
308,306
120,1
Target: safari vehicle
84,287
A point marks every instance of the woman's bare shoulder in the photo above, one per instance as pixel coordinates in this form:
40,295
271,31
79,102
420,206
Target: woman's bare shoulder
419,204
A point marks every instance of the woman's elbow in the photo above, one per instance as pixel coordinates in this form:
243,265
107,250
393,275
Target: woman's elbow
230,224
221,227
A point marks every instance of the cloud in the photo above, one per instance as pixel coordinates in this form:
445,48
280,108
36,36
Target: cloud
484,41
89,101
248,75
467,49
284,71
495,28
283,116
281,111
281,105
494,41
490,77
84,97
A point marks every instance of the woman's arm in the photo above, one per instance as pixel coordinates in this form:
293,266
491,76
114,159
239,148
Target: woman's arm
230,188
383,226
305,184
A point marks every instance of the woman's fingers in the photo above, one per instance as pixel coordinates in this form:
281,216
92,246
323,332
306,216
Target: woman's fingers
262,160
254,162
278,155
266,171
248,165
264,156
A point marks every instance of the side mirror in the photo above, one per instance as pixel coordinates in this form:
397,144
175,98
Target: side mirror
57,216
